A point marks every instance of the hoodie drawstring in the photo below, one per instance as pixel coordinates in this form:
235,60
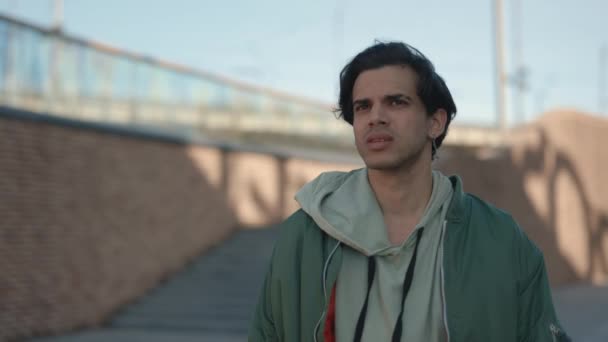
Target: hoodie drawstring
407,283
371,271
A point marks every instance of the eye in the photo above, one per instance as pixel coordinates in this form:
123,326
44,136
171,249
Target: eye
398,102
361,106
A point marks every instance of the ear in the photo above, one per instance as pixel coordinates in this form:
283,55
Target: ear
437,123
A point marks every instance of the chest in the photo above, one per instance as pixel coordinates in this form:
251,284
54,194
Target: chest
399,229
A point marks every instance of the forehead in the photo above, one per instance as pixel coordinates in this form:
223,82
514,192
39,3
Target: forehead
392,79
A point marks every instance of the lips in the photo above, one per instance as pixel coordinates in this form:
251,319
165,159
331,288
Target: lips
378,141
378,137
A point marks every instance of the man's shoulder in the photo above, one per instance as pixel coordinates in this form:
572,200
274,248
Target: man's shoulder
298,227
499,225
298,221
300,244
483,209
471,208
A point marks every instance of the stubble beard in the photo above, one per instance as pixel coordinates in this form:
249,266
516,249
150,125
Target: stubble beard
398,162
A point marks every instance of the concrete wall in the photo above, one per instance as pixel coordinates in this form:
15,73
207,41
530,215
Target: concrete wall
92,219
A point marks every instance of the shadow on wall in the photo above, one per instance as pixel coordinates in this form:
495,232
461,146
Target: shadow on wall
598,251
94,216
549,179
261,187
578,223
91,219
544,179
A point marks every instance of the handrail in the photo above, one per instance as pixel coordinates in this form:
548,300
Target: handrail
49,71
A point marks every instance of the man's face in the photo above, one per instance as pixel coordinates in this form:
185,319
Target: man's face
390,122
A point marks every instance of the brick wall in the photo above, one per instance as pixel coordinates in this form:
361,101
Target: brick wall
90,220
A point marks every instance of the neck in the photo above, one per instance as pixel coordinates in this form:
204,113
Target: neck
402,192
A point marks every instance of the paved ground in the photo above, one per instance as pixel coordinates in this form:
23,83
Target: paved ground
212,300
583,310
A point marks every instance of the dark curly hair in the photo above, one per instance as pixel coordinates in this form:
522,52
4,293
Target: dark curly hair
431,88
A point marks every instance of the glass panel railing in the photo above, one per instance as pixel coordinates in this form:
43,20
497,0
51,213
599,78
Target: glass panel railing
46,71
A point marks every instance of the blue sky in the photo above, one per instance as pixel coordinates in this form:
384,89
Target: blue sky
298,47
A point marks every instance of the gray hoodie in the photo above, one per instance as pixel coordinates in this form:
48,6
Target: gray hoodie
345,207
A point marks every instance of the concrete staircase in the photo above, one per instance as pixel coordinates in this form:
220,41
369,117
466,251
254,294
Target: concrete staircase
213,299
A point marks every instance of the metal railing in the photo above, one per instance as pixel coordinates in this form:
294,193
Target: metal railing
47,71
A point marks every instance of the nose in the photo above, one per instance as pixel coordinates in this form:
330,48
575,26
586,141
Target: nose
378,116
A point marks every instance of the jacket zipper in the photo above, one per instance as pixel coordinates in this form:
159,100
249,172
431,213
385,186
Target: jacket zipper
445,305
324,291
555,332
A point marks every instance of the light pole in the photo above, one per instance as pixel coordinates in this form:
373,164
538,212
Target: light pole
57,15
519,77
338,34
499,64
602,74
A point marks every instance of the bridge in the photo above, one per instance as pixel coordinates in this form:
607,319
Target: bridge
47,71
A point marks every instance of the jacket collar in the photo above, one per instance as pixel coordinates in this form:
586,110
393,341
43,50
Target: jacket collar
457,210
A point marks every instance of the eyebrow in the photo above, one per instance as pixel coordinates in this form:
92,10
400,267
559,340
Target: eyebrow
397,96
366,101
361,102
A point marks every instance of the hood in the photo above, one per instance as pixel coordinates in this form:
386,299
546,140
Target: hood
344,205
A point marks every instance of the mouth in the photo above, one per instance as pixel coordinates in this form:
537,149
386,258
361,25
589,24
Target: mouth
377,142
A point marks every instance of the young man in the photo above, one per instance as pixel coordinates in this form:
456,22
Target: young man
396,251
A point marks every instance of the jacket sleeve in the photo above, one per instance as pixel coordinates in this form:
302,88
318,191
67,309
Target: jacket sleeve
262,326
537,320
